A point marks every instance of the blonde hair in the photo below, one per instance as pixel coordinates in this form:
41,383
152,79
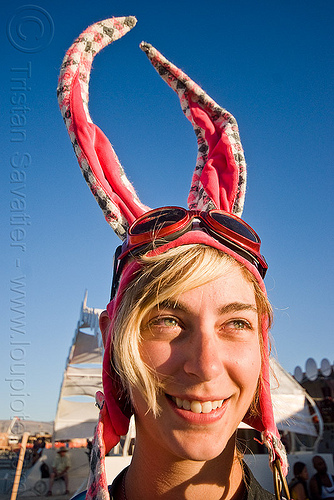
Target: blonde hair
160,278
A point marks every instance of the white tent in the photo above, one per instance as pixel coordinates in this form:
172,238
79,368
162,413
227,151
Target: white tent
77,414
290,402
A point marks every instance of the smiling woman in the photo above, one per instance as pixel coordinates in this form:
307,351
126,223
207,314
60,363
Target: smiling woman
186,329
165,278
191,344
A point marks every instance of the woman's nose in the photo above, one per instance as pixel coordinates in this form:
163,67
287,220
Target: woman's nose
203,355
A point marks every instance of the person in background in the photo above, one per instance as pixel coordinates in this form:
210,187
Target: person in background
37,449
60,468
298,486
322,483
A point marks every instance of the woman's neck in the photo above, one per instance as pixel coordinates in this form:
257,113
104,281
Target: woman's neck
154,475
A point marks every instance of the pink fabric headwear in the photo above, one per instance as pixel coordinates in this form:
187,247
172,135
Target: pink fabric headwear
219,181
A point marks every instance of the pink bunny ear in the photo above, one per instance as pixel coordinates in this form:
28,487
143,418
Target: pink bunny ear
219,180
97,159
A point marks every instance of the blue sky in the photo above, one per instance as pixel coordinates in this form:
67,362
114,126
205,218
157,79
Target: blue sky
268,62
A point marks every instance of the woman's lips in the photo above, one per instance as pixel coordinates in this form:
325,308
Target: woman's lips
196,406
198,412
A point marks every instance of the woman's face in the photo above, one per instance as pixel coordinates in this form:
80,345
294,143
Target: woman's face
304,474
205,348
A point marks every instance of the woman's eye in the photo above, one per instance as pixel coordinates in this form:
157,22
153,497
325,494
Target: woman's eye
238,324
164,322
170,322
162,327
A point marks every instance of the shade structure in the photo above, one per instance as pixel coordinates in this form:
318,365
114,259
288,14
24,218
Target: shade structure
77,414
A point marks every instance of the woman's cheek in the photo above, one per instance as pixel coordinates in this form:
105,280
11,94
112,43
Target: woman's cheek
157,355
247,365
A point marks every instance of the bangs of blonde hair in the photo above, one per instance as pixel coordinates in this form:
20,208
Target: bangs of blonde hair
165,277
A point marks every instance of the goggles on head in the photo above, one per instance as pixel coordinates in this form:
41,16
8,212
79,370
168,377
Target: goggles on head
161,225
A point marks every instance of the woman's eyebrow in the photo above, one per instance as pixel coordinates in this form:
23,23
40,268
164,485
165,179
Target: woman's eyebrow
237,306
225,309
172,304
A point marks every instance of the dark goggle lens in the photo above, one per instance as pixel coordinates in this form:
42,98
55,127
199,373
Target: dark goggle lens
234,226
157,220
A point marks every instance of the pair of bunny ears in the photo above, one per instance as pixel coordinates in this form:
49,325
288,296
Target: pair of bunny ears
219,179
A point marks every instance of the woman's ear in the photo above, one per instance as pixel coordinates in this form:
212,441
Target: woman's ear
104,322
97,159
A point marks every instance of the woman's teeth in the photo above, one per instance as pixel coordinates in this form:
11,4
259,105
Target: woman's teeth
197,406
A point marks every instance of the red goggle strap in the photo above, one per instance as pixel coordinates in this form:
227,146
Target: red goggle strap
219,180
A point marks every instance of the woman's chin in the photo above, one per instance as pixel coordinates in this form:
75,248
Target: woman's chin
200,448
200,454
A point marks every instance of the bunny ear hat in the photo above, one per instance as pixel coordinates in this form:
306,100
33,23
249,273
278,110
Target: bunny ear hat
219,181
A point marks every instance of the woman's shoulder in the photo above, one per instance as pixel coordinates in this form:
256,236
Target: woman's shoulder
80,496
